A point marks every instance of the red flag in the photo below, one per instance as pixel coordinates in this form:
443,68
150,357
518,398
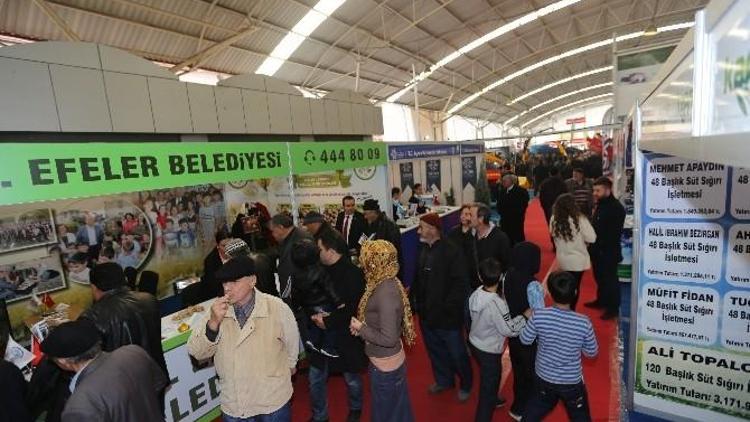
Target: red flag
47,300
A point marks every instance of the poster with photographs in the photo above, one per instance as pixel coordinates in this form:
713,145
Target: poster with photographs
29,229
23,274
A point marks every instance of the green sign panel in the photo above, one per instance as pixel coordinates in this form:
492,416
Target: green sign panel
318,157
43,172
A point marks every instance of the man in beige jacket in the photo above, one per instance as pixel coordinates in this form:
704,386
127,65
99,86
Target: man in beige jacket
254,341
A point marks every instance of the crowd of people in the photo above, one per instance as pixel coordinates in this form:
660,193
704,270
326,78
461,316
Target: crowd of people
334,291
19,234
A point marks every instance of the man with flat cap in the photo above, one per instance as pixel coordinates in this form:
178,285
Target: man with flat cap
122,386
123,316
379,227
315,224
254,341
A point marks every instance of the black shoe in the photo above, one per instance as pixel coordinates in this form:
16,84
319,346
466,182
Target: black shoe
608,315
594,304
501,402
436,389
354,416
315,420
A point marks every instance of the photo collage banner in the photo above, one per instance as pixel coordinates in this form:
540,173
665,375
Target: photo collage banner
54,226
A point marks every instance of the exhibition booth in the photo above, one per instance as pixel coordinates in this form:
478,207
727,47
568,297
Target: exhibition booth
688,348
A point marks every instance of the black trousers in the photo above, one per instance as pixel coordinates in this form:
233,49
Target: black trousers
545,398
608,283
490,370
578,275
522,359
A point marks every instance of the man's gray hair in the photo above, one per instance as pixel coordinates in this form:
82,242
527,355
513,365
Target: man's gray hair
512,177
88,355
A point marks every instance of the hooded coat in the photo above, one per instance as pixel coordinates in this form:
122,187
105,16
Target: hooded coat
526,259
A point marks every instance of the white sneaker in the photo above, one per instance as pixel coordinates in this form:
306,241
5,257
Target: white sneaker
514,416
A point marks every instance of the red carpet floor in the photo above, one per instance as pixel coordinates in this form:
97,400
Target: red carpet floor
601,374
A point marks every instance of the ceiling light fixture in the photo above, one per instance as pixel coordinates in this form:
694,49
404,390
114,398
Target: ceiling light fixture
556,58
574,103
502,30
299,33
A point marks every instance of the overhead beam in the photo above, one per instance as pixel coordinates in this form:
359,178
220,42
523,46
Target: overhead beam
197,59
57,20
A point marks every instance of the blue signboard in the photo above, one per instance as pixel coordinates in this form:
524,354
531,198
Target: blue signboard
408,152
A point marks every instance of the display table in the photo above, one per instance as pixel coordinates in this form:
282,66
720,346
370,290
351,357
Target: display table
449,216
194,393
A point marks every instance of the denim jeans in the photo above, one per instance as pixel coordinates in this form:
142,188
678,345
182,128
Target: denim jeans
318,379
390,395
448,356
545,398
490,368
284,414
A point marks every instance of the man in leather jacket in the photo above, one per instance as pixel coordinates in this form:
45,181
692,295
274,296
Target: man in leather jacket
123,316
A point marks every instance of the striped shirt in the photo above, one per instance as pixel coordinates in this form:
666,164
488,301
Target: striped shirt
562,336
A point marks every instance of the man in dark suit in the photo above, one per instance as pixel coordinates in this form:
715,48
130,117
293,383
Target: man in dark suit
606,252
121,386
511,205
350,223
91,234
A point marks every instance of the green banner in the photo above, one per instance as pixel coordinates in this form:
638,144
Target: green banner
316,157
44,172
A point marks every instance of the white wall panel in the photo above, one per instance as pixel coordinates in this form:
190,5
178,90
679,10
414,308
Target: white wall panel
345,117
280,113
230,111
255,104
169,103
129,104
203,108
26,98
81,101
318,116
332,117
301,115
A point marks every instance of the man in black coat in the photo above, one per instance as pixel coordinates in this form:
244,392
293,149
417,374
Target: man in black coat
490,242
379,227
123,316
606,252
350,223
349,284
208,288
550,190
511,205
438,296
286,235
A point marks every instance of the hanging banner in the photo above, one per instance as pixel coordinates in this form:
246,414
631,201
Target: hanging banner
634,72
434,175
314,157
693,345
44,172
468,171
407,174
467,149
